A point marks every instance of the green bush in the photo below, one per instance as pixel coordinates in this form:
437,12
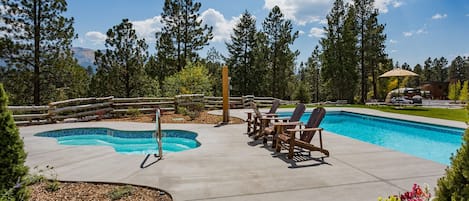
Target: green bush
455,184
133,113
12,155
193,79
121,192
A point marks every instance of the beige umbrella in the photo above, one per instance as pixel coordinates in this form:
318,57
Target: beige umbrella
398,72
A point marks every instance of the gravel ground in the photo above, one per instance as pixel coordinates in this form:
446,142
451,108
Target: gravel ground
91,191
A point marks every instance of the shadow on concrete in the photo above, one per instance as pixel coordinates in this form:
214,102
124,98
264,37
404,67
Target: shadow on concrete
142,165
301,160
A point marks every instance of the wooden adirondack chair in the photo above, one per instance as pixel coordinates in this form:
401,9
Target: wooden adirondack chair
288,140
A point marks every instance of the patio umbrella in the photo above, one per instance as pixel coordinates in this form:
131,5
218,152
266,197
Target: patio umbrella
398,72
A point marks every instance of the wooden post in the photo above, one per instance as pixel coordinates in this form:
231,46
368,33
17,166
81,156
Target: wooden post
226,94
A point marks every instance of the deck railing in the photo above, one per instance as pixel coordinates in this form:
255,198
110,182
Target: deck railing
85,109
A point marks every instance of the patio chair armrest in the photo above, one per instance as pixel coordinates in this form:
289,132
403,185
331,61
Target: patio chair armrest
274,118
293,123
269,114
304,129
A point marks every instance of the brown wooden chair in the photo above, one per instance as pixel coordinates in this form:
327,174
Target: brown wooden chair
288,140
255,119
282,123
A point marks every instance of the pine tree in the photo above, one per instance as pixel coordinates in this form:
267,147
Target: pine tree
417,80
371,46
182,32
280,58
312,74
121,67
427,70
214,64
12,155
339,58
456,70
241,56
439,69
41,35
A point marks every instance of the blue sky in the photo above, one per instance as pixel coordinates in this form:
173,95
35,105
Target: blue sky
416,29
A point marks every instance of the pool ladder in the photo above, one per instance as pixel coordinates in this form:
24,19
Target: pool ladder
158,136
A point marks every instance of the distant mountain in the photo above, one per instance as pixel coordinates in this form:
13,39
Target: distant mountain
84,56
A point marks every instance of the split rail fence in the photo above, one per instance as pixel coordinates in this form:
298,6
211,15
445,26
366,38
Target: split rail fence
86,109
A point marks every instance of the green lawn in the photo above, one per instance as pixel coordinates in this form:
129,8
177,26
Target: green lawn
440,113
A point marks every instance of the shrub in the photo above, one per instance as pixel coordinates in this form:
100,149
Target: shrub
463,94
133,113
193,79
120,192
12,155
455,184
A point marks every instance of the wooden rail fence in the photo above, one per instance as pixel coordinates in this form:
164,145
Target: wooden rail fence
85,109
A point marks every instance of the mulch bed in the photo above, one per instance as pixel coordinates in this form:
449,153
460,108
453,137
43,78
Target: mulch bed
171,117
94,191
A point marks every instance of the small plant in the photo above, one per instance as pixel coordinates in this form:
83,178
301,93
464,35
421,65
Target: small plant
133,113
416,194
120,192
53,186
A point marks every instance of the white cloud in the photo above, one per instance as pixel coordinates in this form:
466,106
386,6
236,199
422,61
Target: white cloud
95,37
393,41
415,32
393,51
397,4
421,31
382,5
301,32
301,12
439,16
147,28
222,28
408,34
316,32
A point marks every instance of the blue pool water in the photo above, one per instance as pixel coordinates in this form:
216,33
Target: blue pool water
431,142
126,142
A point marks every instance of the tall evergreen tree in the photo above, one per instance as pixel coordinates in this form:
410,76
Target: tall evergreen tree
241,56
339,57
182,34
371,45
165,59
417,80
440,70
312,74
280,58
41,36
214,64
427,70
456,70
121,71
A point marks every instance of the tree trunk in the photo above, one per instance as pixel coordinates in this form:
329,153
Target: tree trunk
363,69
37,38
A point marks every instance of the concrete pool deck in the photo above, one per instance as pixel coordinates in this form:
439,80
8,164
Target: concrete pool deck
231,166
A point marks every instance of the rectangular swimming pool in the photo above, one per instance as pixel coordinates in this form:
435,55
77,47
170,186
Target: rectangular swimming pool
427,141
